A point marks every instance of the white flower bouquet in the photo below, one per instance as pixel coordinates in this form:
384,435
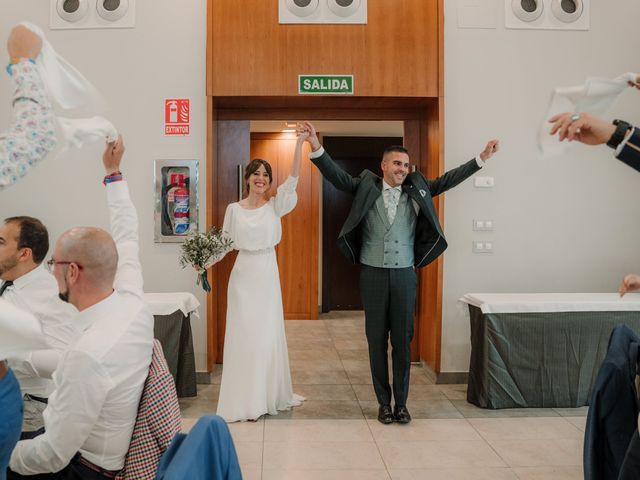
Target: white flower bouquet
202,250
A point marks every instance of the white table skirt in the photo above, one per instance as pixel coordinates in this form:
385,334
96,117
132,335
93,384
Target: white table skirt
552,302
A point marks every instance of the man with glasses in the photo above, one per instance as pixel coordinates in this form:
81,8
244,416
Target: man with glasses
99,379
24,242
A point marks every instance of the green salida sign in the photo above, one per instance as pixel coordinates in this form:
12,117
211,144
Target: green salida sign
325,84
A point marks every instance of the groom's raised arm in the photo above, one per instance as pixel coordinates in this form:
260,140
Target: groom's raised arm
321,159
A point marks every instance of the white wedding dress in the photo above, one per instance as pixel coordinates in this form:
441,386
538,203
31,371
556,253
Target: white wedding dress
255,371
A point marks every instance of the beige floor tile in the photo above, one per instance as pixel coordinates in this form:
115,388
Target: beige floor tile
317,353
319,410
454,391
579,422
251,473
315,365
319,377
306,324
187,424
208,392
434,408
325,392
360,354
364,393
547,452
249,454
247,431
424,430
468,453
549,473
318,431
471,411
322,455
341,474
355,343
453,474
573,412
197,407
525,428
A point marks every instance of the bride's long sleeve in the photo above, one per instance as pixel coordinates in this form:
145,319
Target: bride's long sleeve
286,197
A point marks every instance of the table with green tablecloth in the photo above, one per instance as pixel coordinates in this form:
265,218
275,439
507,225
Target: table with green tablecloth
541,350
172,327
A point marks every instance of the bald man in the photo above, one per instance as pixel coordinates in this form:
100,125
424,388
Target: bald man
99,380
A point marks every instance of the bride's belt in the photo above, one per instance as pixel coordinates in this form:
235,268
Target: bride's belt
263,251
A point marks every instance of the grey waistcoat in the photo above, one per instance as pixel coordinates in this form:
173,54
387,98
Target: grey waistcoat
389,246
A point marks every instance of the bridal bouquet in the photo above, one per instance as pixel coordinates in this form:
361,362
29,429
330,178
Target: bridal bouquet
202,250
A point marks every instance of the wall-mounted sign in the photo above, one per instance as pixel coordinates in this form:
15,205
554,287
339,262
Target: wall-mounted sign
177,116
325,84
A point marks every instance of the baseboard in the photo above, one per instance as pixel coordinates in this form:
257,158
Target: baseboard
444,378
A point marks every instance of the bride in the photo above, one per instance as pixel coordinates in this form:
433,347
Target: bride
255,373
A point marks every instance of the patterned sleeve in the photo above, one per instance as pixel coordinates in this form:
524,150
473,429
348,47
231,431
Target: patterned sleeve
286,198
32,132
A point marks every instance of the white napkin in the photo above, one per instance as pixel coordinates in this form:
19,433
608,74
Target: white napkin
596,96
20,331
69,89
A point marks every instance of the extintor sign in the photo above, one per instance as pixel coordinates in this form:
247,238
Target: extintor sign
177,116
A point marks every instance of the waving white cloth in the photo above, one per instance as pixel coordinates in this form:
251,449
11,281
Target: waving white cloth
596,97
69,89
20,331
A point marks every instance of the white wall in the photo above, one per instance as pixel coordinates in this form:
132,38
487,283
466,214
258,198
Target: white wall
164,56
567,224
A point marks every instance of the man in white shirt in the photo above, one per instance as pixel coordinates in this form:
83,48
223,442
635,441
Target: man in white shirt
99,380
24,243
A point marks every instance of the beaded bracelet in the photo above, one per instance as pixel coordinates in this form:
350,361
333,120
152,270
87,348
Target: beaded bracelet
14,60
113,177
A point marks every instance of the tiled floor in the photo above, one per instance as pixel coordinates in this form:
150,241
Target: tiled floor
334,435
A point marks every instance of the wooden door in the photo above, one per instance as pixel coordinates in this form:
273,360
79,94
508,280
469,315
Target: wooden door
298,249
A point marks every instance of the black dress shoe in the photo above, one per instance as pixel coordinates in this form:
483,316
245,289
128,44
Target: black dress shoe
385,415
401,414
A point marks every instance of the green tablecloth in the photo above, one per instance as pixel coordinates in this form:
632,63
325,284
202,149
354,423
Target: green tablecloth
539,359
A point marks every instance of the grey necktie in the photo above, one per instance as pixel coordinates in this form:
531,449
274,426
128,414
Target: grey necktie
4,286
392,194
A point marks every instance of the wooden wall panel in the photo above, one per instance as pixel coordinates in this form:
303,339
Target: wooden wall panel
248,51
395,54
298,249
232,148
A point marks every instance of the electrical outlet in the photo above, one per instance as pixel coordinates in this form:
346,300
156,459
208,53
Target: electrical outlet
483,225
482,246
484,182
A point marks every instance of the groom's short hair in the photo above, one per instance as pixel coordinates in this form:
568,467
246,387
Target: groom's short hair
395,148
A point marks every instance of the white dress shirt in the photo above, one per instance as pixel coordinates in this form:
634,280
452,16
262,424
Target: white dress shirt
37,293
99,380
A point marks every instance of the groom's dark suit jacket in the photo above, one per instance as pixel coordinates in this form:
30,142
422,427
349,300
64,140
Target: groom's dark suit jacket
367,187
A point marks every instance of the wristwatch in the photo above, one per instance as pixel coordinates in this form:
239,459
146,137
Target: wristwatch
618,136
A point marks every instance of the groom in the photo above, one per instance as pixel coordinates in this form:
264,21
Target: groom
391,230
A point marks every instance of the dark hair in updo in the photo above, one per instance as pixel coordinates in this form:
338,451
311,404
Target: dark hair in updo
252,167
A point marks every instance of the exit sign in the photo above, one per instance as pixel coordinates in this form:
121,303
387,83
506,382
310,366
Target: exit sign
325,84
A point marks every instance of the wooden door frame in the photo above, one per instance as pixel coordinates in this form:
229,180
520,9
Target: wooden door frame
422,119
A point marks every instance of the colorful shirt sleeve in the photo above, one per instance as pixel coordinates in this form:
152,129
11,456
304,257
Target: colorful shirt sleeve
31,135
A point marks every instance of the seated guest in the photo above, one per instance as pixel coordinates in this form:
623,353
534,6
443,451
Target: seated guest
32,132
24,243
98,383
10,415
19,332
